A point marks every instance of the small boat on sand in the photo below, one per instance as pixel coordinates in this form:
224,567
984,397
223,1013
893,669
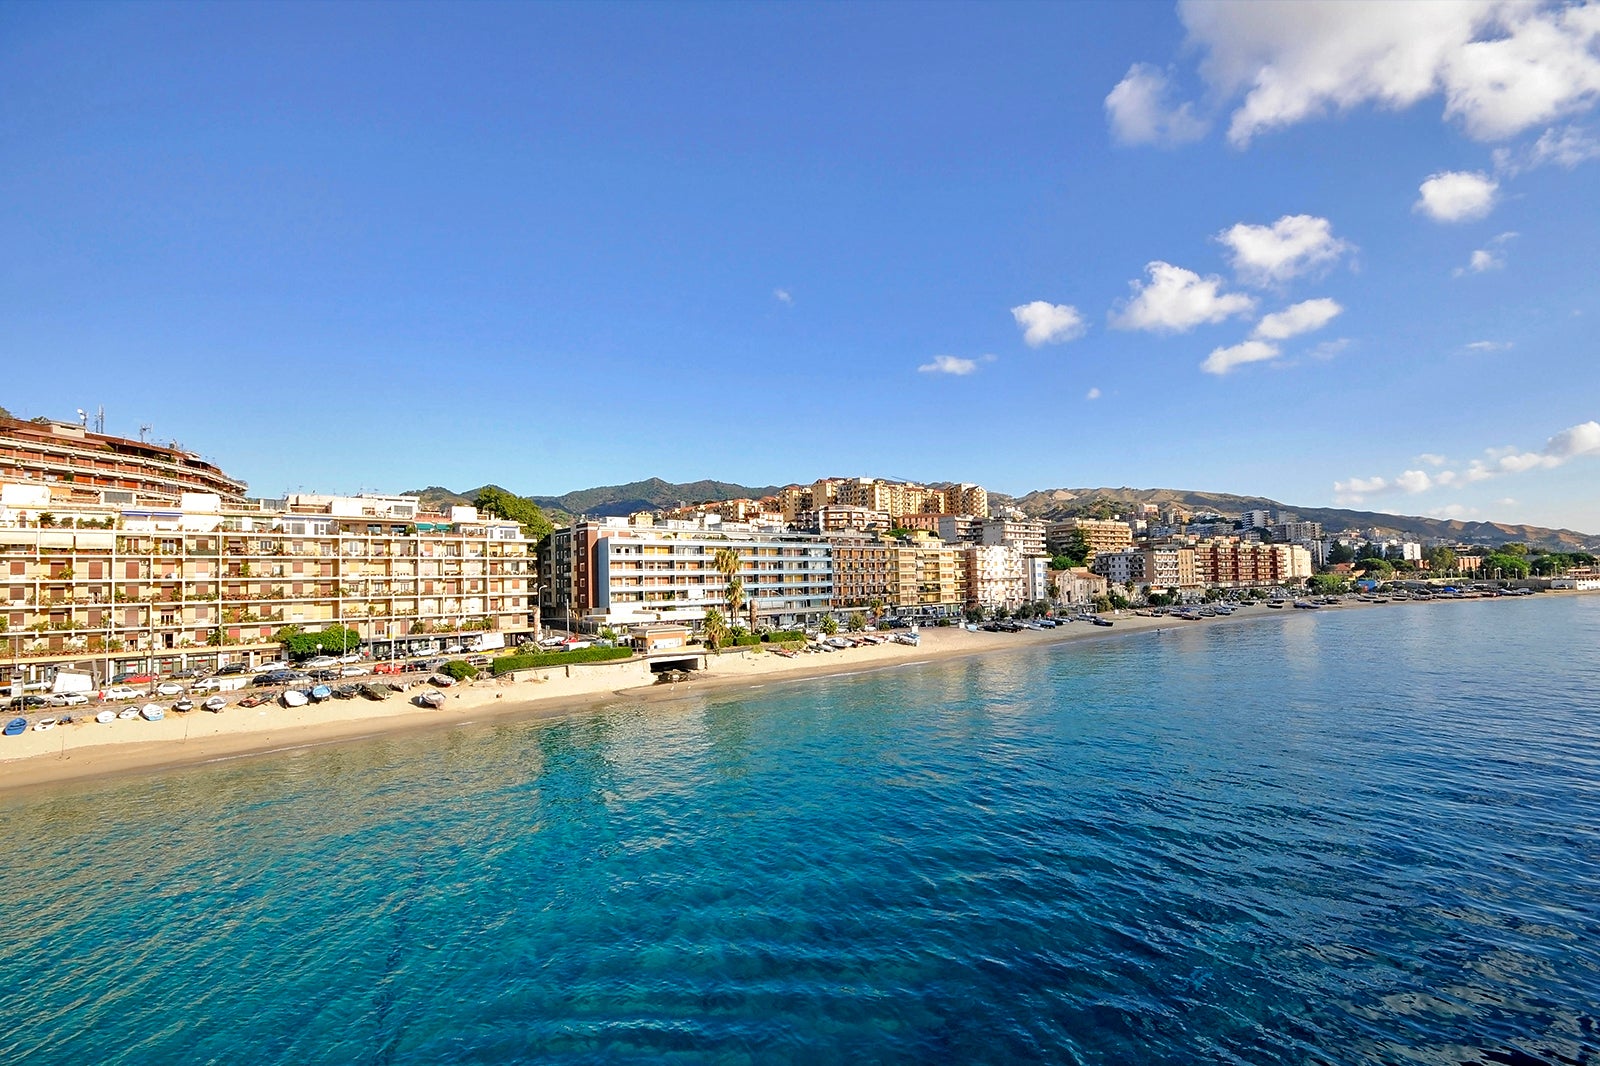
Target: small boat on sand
151,712
215,704
431,699
320,693
347,692
183,706
293,697
376,690
106,716
44,723
16,727
128,713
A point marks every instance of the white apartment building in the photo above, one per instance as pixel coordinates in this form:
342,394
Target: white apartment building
610,572
995,575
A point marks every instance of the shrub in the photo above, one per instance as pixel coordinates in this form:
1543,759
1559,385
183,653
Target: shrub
559,658
783,636
459,670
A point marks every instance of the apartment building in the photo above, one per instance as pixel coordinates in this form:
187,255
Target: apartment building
86,468
994,576
863,571
161,587
609,572
1024,533
966,498
1229,562
1101,534
1157,567
960,529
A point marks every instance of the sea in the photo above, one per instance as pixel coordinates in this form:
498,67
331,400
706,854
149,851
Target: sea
1341,836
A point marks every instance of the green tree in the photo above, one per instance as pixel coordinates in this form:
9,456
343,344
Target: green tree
856,622
716,629
1073,553
1441,559
829,624
1340,553
492,499
1375,567
1513,548
726,561
1510,566
1326,584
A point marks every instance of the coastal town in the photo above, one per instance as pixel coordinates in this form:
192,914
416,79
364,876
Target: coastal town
127,560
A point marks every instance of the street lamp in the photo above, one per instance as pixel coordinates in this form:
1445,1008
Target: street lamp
538,631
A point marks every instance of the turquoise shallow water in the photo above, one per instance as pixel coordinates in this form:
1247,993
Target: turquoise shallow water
1363,837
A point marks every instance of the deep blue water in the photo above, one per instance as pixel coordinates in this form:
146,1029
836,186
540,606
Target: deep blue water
1358,837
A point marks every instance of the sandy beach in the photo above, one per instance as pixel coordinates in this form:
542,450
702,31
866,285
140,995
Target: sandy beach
88,749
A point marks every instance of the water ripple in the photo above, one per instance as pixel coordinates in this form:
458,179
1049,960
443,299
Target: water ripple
1367,838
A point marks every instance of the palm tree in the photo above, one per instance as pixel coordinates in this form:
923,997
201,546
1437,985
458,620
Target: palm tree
716,629
727,563
829,624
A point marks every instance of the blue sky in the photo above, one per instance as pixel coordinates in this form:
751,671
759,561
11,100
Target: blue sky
1324,253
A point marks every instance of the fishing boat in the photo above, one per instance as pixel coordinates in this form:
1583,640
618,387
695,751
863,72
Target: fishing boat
293,697
150,712
128,713
347,692
432,699
184,706
320,693
441,680
16,726
44,723
376,690
106,716
215,704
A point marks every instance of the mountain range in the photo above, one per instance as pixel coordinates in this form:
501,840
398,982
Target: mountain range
654,493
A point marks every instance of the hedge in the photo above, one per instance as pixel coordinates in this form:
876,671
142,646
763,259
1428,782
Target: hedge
459,670
783,636
559,658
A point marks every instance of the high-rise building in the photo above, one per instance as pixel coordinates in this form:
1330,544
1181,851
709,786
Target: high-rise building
1101,534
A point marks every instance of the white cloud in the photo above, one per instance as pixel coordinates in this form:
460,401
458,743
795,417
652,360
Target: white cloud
1432,459
1225,360
783,297
1139,111
1582,439
1489,346
1292,246
1092,394
1456,196
1304,317
1452,510
1414,481
1565,147
1047,323
1482,259
1176,300
949,364
1574,442
1501,68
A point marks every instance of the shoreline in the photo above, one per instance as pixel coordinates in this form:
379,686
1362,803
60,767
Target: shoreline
94,751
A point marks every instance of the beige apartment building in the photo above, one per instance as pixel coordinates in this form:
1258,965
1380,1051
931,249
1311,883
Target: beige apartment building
161,588
1229,562
995,575
1102,534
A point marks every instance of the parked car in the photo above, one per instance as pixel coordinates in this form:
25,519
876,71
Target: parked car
123,692
132,679
389,668
68,699
169,688
321,662
230,668
353,670
267,667
27,702
185,675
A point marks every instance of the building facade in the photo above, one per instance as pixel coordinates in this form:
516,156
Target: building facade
607,572
191,586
